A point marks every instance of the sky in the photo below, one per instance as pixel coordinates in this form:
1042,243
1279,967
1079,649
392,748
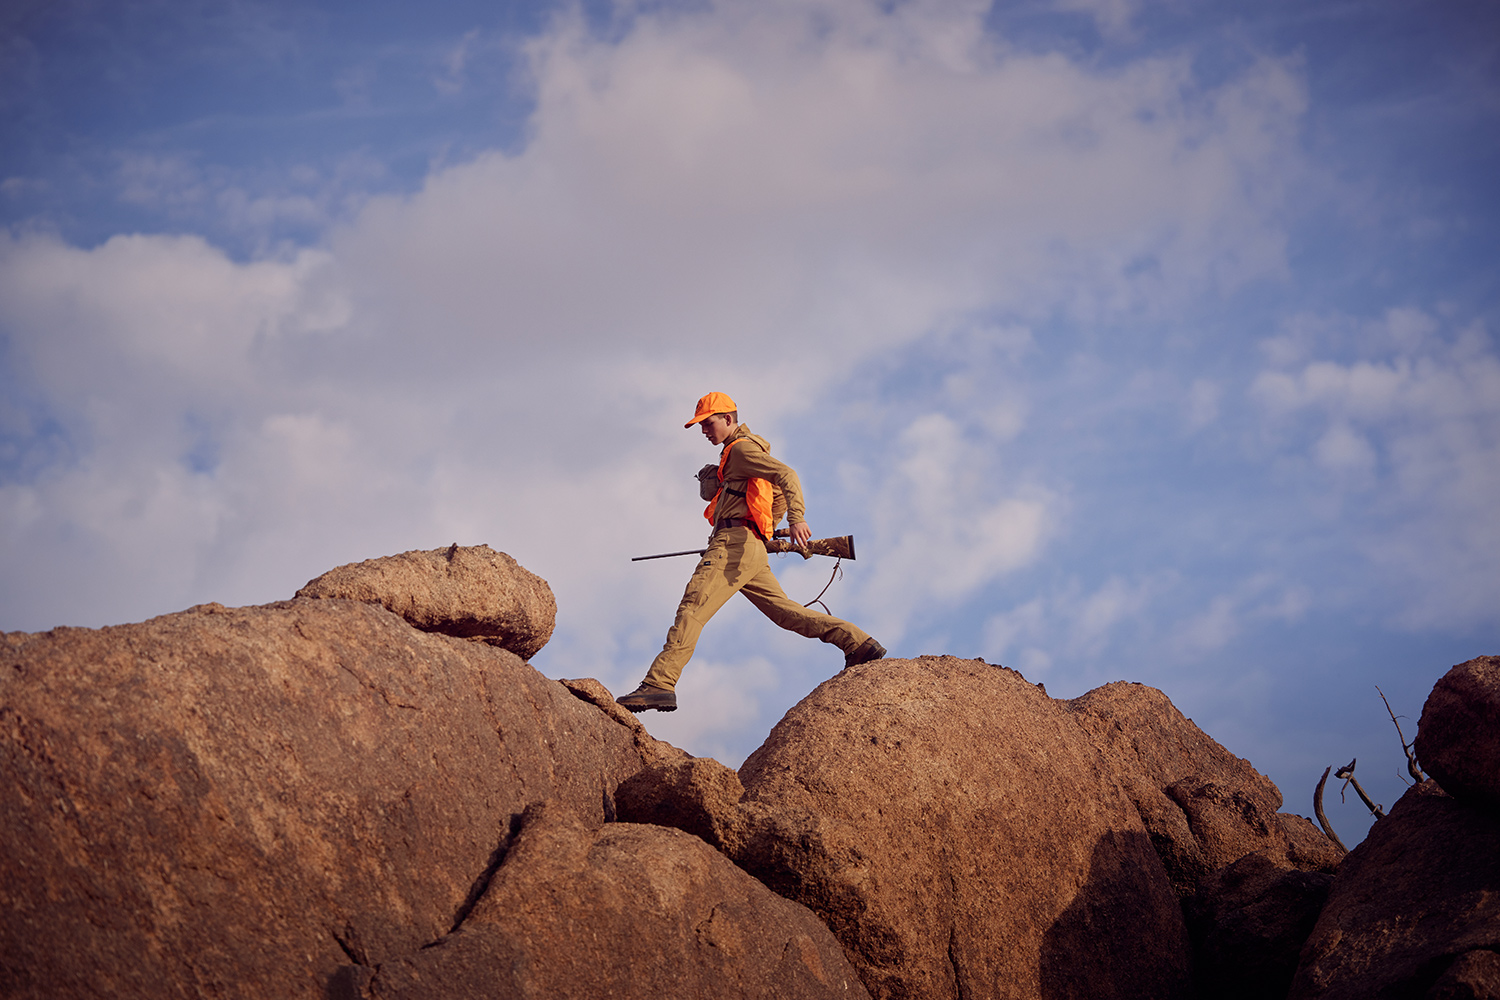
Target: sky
1149,341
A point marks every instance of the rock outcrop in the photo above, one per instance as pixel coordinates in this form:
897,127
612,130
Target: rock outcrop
1248,922
1204,807
314,798
955,829
1308,848
1474,975
629,912
471,592
1458,737
1415,909
242,801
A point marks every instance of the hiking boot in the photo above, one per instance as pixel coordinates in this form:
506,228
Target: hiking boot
867,651
646,696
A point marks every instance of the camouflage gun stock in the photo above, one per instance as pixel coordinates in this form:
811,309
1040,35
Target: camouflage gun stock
841,547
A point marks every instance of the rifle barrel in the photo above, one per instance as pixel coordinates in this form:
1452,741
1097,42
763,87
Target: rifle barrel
668,555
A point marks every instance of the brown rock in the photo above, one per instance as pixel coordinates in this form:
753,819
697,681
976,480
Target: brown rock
1249,921
1474,975
1309,848
627,912
1203,806
698,796
1458,737
1422,889
471,592
243,801
954,828
652,750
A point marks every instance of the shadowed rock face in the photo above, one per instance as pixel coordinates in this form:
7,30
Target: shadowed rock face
955,829
470,592
1474,975
627,912
243,801
1248,922
1308,848
1414,910
1204,807
1458,738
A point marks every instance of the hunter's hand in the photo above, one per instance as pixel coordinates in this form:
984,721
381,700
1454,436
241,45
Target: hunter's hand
800,534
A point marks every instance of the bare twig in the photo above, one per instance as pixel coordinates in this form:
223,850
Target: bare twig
1318,811
1346,773
1411,758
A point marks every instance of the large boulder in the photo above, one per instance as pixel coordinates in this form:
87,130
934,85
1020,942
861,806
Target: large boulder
471,592
243,801
626,911
1248,922
1309,848
1415,908
954,828
1458,737
1474,975
1204,807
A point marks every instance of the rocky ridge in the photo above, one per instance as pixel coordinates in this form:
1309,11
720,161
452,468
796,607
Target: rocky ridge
367,792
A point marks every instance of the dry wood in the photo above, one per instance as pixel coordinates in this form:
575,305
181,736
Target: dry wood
1318,811
1346,773
1411,758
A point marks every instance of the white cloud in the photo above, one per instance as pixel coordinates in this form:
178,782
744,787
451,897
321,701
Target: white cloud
1166,612
1075,625
756,197
1112,17
1203,403
1340,449
945,533
1414,425
822,179
451,80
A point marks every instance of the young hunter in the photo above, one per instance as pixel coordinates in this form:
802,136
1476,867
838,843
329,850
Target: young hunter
749,492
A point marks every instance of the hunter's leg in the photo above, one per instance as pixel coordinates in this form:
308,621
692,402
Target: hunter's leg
764,591
727,565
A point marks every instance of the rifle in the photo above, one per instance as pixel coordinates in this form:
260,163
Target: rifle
841,547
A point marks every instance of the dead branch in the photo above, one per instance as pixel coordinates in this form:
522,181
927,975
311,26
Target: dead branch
1346,773
1318,811
1411,758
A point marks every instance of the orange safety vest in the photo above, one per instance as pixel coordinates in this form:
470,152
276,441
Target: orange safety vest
758,495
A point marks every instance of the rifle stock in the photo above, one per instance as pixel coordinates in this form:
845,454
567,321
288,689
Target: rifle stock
841,547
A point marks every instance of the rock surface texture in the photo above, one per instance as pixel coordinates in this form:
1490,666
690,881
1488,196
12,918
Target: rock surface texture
316,799
1248,923
956,831
471,592
1414,910
629,912
1204,807
241,802
1458,737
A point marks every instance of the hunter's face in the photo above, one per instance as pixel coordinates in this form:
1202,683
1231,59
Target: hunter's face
717,428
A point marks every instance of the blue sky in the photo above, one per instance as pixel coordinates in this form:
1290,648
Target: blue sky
1132,341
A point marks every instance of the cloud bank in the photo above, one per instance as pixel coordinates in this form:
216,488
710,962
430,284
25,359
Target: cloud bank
1023,320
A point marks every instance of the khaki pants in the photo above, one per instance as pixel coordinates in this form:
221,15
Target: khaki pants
736,561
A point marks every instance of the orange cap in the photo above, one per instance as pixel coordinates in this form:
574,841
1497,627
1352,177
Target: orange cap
714,402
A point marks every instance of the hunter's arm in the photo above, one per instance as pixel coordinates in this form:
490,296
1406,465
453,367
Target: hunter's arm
753,462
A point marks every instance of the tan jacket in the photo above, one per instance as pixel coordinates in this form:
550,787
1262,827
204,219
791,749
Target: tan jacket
752,460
